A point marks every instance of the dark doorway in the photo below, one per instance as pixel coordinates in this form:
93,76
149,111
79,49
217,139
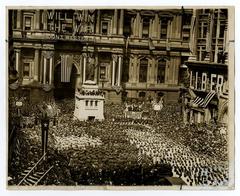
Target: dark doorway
64,90
91,118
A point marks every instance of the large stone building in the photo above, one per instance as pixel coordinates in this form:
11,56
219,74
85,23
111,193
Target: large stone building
128,53
208,67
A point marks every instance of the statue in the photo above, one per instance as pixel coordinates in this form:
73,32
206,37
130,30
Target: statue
90,68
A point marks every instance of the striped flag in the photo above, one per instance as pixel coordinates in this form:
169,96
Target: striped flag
66,67
204,102
139,158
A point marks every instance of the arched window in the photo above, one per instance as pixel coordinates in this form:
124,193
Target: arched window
143,70
164,27
161,71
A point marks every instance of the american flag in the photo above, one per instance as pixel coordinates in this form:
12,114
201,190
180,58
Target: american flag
139,158
66,67
204,102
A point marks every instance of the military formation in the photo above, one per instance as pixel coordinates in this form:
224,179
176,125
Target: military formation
123,151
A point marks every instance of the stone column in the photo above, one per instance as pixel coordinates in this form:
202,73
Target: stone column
98,22
217,37
19,19
17,59
119,70
121,22
156,26
44,69
150,28
225,42
96,74
36,64
44,17
153,71
36,20
193,36
136,24
140,29
169,30
80,70
115,20
114,57
50,70
136,68
84,66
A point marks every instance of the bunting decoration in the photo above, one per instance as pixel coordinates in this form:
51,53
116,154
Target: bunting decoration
66,67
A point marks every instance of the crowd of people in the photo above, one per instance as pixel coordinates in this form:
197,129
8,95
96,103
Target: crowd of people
193,168
91,92
195,153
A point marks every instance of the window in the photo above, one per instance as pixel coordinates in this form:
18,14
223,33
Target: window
222,29
14,19
142,94
91,103
26,69
96,103
186,19
27,24
145,31
203,30
204,34
164,26
143,70
86,102
105,28
161,71
102,72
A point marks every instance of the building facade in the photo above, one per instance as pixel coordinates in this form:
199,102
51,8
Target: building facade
128,53
208,89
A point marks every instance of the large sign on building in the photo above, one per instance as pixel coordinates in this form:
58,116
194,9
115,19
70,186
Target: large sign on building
70,21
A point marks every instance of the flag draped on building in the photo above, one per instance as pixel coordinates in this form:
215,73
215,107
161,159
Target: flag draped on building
66,67
139,158
204,102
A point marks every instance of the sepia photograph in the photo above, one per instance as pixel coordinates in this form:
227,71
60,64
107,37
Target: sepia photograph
108,98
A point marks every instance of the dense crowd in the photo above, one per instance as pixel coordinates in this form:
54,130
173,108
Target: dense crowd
196,153
93,92
193,168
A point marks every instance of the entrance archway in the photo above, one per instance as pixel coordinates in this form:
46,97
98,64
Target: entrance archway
64,90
